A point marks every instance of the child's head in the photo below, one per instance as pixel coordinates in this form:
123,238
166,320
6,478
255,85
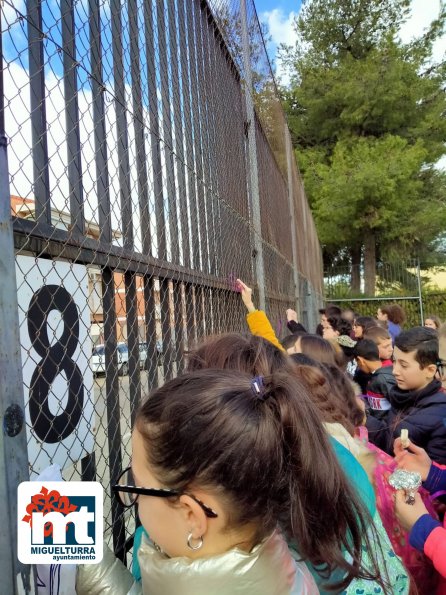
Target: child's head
330,310
244,455
415,358
361,324
367,355
348,314
291,343
218,443
432,321
318,349
337,326
328,393
392,312
382,339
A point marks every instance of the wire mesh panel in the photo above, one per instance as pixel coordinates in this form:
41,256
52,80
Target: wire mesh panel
132,207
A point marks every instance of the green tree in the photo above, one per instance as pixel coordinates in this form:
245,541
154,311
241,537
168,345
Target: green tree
366,113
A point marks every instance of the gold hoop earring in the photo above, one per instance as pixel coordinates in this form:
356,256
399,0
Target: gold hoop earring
195,547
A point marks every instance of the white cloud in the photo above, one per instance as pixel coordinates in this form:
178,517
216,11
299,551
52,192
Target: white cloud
280,26
10,13
281,29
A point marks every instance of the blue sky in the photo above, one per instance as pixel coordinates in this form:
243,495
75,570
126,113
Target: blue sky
279,15
285,5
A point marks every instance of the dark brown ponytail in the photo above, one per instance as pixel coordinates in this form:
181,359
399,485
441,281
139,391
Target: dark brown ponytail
269,456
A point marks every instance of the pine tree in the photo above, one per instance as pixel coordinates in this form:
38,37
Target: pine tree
366,113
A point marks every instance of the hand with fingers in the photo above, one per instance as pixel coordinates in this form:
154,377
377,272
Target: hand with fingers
291,315
408,514
412,458
246,293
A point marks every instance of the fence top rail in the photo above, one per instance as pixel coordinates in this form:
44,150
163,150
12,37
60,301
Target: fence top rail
376,299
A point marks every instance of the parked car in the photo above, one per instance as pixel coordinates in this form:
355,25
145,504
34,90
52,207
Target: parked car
98,359
145,357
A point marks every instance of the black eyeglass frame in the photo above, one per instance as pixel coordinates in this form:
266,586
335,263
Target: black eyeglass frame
157,493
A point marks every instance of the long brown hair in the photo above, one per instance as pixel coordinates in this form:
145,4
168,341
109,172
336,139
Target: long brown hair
332,393
270,454
395,313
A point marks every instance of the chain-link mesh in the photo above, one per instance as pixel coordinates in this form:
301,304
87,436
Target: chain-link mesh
132,210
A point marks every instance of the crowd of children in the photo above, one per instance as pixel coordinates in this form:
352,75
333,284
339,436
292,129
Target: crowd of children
264,469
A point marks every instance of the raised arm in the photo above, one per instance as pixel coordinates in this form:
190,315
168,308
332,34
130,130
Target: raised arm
257,320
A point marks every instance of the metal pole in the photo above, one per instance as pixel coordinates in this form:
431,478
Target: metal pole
420,296
13,444
289,158
253,165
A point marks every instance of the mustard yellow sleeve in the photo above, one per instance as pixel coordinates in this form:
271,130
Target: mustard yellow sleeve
260,325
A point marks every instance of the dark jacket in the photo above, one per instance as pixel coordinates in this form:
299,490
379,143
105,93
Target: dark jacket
423,413
362,379
381,383
296,327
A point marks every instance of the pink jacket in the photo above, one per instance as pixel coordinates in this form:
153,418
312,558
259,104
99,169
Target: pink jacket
435,549
427,529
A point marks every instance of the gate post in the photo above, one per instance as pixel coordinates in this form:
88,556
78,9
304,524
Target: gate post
13,445
289,160
253,163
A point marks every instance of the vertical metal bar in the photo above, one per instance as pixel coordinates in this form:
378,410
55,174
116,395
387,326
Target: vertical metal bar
166,329
138,123
254,177
150,324
204,98
131,308
13,444
188,125
179,325
210,106
218,314
100,142
88,467
75,187
192,43
209,311
420,292
199,290
154,132
174,27
112,401
38,111
190,316
167,132
121,125
293,222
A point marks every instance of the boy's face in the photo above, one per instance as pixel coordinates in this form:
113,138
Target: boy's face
324,321
408,373
385,349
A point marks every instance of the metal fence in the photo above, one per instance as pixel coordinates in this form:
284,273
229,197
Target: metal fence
145,164
418,290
